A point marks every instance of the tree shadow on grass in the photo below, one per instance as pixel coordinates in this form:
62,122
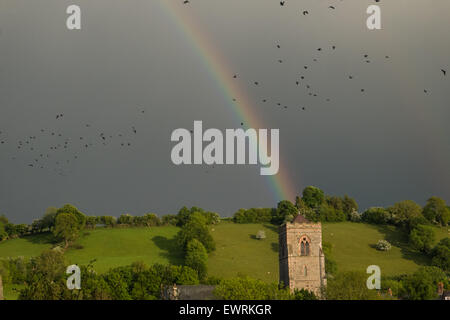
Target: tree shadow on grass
42,238
271,227
170,249
274,246
399,238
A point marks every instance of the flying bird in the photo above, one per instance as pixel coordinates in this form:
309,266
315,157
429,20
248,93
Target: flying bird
444,72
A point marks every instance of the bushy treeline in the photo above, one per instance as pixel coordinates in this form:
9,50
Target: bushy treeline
45,279
408,214
417,223
246,288
313,204
421,285
10,231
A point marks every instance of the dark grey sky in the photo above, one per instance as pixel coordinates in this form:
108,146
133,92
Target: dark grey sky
387,144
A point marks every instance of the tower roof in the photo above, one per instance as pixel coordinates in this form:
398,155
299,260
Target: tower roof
300,219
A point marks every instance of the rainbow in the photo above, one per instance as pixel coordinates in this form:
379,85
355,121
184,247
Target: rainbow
218,67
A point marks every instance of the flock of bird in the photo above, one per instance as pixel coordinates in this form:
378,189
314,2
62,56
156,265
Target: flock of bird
50,148
302,78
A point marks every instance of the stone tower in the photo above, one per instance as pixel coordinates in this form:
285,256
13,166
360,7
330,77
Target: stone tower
302,262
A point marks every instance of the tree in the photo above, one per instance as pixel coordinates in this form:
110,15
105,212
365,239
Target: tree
196,228
81,218
406,213
67,227
313,197
48,220
285,211
3,233
422,238
245,288
441,255
422,285
197,258
376,215
349,205
436,211
349,285
46,279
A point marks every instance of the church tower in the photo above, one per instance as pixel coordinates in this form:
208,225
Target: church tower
301,259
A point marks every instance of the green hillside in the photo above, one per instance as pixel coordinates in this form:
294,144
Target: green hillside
238,251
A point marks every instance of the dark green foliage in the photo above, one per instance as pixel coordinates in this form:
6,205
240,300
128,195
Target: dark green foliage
108,221
80,217
349,286
313,197
303,294
406,214
422,238
349,205
67,227
254,215
147,220
196,228
441,255
91,222
197,258
244,288
184,216
169,220
3,233
436,211
422,285
376,215
286,211
328,213
46,278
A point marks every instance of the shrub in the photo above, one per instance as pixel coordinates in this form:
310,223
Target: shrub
354,216
169,219
422,285
406,214
349,286
383,245
436,211
195,228
244,288
376,215
422,238
330,214
253,215
303,294
441,255
197,258
261,235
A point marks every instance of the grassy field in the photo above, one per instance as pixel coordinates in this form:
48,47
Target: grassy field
353,247
122,246
238,251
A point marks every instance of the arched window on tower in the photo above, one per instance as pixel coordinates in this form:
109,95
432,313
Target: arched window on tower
305,271
304,246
